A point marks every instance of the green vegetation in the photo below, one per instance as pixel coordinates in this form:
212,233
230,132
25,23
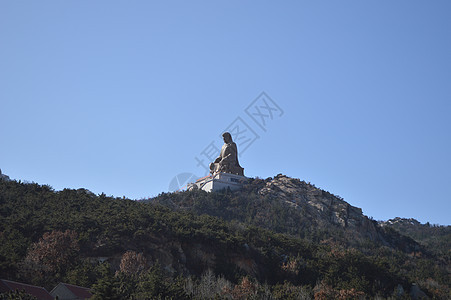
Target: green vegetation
216,246
435,237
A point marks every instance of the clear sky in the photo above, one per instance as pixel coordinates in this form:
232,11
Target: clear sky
120,97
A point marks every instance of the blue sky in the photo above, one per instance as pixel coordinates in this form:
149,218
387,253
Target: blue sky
121,96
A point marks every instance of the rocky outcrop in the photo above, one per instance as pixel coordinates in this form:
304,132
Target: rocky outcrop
400,221
322,208
328,212
437,238
291,206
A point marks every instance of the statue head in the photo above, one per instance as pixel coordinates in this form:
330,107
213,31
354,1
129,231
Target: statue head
227,137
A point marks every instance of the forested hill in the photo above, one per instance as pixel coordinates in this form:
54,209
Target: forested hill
199,245
295,207
436,238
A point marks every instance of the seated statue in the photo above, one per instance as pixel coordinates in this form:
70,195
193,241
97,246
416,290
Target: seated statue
227,161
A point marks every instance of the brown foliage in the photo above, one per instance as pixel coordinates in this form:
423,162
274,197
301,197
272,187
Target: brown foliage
51,256
244,290
54,250
291,267
132,263
326,292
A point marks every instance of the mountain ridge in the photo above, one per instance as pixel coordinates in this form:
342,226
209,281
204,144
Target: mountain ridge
289,205
278,236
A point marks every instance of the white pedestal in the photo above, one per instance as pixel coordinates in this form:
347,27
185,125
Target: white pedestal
218,182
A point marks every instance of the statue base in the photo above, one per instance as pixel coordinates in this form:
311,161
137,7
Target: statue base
217,182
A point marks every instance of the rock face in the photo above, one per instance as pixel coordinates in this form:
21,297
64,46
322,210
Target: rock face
318,206
400,221
330,213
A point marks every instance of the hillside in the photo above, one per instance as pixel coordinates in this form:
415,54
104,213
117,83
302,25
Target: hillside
437,238
291,206
276,239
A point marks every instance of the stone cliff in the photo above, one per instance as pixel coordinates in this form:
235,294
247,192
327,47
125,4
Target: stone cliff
320,207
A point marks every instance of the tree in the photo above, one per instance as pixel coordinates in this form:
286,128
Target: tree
106,285
83,274
16,295
244,290
51,256
132,263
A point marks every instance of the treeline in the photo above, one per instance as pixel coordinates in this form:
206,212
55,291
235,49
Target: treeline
251,208
435,237
128,249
